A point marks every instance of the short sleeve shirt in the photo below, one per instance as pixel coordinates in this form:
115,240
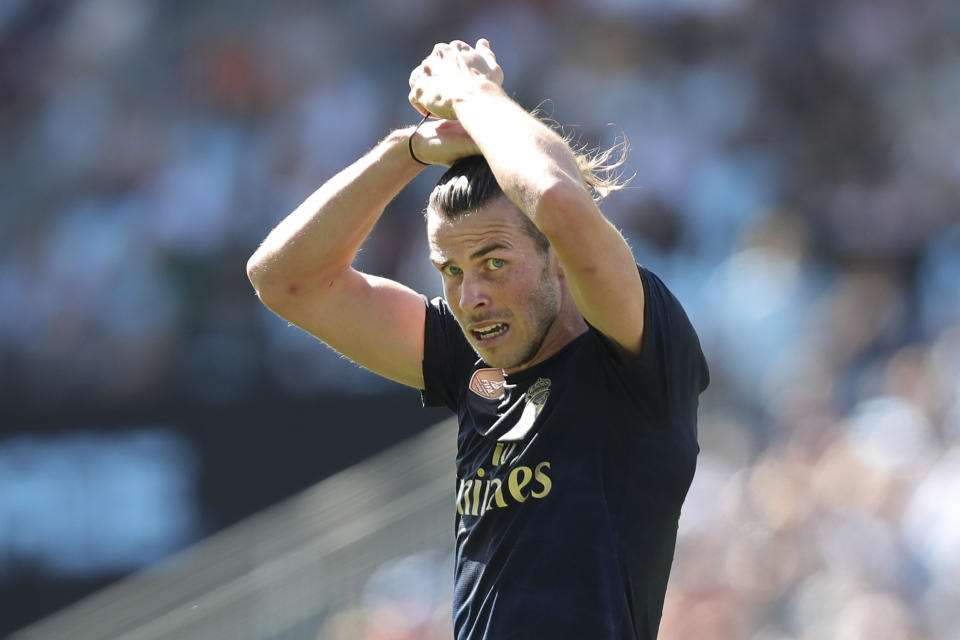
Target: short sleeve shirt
570,477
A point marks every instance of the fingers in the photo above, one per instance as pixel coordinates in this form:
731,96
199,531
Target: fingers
483,48
432,79
441,49
414,98
424,69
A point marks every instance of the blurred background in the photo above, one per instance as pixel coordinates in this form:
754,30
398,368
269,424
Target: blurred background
796,186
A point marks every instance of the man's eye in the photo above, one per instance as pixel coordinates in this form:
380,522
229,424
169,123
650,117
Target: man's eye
452,270
495,263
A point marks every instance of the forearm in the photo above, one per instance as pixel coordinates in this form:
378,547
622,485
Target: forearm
320,239
526,156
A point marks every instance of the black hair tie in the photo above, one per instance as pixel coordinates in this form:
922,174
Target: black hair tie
410,141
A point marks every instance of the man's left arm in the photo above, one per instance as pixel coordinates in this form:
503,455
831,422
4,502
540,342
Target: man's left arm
538,172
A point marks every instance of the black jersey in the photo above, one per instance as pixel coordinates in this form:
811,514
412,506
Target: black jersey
570,477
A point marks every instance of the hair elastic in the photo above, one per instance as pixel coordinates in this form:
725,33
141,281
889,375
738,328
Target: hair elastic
410,142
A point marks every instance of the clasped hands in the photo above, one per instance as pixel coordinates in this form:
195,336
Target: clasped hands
449,74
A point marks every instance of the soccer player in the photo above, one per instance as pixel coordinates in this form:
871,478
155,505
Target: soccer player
575,373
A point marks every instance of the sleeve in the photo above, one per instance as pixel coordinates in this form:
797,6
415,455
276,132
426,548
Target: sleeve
447,357
671,370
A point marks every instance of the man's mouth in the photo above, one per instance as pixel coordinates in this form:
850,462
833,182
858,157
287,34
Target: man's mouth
490,331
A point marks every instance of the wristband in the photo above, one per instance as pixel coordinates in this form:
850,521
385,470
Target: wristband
410,142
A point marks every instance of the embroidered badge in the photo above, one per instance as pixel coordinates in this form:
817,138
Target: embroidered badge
487,383
536,397
538,393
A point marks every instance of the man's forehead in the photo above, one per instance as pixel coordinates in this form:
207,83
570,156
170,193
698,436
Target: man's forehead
500,215
464,238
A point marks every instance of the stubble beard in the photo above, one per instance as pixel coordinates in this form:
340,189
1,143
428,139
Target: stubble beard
545,305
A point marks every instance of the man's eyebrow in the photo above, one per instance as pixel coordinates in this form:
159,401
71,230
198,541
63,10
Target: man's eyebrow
441,264
493,246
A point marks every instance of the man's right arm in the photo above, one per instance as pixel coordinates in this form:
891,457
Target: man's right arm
302,270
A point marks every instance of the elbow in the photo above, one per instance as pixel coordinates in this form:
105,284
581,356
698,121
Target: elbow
561,205
270,287
256,271
281,289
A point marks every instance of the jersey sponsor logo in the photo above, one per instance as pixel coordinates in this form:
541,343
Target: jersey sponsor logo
487,383
479,494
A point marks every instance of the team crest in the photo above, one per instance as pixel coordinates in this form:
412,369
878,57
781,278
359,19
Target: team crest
487,383
536,397
538,393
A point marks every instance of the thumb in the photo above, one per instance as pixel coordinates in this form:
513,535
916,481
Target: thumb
483,42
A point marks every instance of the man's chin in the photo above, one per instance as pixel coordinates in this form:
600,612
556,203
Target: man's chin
495,359
504,361
500,357
490,359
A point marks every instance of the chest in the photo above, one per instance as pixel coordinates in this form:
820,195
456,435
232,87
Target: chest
550,441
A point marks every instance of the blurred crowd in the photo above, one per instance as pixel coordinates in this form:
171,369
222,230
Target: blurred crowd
796,186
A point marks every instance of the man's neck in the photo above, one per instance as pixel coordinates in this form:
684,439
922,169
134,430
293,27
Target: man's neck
566,327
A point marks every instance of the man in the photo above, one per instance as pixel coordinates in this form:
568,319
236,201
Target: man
574,373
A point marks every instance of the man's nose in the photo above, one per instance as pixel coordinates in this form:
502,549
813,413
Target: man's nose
473,293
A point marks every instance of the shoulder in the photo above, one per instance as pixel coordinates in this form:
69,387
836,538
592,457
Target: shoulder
448,359
670,345
442,328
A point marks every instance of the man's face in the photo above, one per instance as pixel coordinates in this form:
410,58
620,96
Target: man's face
504,292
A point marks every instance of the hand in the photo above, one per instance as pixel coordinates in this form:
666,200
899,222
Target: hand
450,73
443,142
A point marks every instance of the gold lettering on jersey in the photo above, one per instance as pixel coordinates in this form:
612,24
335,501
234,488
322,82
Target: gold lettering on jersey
519,478
486,494
502,452
463,498
521,483
477,486
497,498
487,383
541,476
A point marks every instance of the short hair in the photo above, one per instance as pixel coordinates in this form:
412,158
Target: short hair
469,185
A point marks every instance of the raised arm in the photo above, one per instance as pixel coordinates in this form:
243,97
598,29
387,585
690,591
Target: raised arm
302,270
537,170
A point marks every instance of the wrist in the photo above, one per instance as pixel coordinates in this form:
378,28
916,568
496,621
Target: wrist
398,143
479,91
